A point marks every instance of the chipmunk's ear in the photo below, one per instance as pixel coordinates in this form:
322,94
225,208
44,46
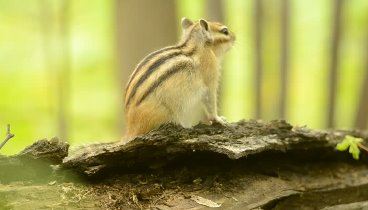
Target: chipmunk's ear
185,23
204,24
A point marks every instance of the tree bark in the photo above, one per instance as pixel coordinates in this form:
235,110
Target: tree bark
121,75
258,10
361,119
244,165
334,65
284,64
215,10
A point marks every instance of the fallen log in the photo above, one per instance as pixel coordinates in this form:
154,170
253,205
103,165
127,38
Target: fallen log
169,142
244,165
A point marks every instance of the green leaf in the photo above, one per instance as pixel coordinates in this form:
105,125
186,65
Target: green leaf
354,150
344,145
352,143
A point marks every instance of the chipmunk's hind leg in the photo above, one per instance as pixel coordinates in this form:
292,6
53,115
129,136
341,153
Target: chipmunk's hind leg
146,117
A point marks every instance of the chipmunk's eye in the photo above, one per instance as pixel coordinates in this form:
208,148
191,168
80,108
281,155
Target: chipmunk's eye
225,31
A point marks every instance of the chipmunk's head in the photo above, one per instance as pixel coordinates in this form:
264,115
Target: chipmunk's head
219,37
223,38
198,31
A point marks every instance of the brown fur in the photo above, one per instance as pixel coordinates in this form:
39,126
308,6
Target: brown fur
173,97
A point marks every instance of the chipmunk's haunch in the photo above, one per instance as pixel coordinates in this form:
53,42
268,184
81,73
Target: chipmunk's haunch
168,85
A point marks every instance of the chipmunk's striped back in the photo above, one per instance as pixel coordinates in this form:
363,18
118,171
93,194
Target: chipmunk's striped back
168,84
155,65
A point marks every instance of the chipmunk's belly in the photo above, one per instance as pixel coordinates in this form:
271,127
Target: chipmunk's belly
183,99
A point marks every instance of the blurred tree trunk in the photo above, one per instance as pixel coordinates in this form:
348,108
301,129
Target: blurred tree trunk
121,75
215,12
139,31
258,10
335,46
284,63
361,119
64,71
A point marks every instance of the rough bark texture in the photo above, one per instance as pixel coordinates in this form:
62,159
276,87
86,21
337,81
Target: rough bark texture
244,165
235,140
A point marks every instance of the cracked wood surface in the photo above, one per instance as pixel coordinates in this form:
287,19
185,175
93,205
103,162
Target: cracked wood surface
236,140
244,165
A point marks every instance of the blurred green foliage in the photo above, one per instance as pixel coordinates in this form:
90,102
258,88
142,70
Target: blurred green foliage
29,66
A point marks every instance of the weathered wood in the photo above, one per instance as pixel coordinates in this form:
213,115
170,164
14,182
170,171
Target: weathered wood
358,205
34,162
234,140
244,165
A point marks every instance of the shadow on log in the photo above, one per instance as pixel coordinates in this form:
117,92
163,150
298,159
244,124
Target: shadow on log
34,162
244,165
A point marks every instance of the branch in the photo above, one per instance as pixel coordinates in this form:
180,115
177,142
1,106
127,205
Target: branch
361,146
8,136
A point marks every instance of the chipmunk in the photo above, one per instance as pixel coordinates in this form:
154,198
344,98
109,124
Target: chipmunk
170,83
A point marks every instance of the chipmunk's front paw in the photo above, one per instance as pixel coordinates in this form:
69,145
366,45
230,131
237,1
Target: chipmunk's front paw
219,119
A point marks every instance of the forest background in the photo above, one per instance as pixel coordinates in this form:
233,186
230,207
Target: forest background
64,64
